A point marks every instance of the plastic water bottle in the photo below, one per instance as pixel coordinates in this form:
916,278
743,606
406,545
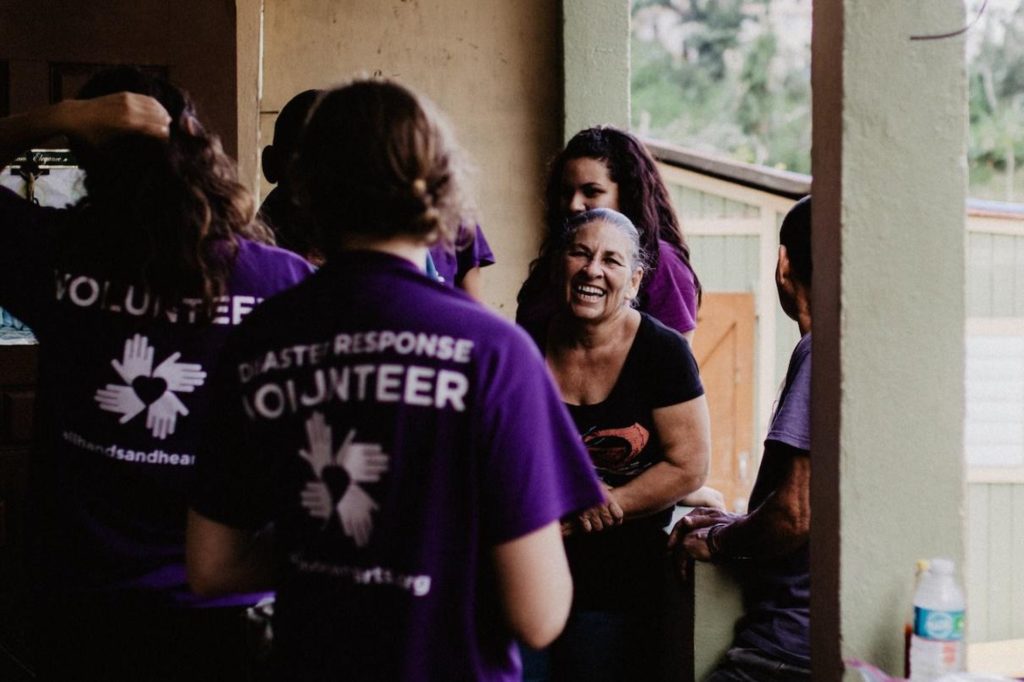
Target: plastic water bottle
937,645
908,625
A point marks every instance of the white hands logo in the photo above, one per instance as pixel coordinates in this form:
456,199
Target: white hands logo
148,388
361,462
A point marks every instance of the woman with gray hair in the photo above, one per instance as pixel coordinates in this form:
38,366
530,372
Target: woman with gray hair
633,389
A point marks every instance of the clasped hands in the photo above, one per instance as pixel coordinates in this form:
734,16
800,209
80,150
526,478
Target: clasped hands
691,538
597,518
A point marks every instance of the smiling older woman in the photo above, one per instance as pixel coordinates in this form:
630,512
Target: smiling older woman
633,389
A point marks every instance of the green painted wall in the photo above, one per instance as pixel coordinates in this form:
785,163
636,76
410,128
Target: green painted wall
995,597
889,149
693,203
595,39
726,263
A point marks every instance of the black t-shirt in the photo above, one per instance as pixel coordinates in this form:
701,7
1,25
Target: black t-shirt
619,568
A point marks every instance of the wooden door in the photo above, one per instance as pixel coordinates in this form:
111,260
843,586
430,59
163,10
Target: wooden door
724,347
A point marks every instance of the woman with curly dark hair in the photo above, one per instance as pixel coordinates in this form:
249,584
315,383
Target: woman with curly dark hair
131,294
604,167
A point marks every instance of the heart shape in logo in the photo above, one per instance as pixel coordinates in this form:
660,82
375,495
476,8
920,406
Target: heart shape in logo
149,389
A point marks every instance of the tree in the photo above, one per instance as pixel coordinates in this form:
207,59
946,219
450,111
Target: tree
996,96
709,74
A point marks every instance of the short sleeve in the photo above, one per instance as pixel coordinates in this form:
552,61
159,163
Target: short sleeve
791,423
535,469
476,254
671,370
233,478
670,294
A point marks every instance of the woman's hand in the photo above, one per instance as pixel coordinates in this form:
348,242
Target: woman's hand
598,518
90,121
94,121
602,517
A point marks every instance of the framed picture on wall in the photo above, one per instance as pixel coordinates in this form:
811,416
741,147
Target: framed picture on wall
67,78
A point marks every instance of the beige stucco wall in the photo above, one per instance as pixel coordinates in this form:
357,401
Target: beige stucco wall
249,73
494,66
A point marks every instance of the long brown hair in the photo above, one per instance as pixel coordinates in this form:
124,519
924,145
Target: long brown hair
164,213
643,198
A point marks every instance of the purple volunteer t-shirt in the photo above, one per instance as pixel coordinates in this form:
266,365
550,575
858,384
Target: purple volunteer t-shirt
122,391
668,294
395,432
777,591
452,266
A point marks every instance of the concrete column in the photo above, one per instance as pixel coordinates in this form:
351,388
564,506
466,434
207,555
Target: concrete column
249,65
888,316
595,40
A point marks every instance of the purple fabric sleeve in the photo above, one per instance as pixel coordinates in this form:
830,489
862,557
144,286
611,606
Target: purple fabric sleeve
537,470
478,254
671,293
453,266
791,423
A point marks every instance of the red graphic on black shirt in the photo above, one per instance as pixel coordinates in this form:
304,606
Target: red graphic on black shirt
616,450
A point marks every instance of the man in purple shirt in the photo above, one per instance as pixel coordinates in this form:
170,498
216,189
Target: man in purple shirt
769,545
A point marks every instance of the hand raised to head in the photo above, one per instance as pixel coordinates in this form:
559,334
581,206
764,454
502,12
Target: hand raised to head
95,121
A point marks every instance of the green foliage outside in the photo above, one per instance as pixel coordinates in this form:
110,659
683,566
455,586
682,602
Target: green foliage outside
732,77
996,72
722,90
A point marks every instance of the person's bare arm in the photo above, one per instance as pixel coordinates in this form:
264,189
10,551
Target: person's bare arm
223,559
472,284
705,496
779,525
91,121
685,434
535,585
